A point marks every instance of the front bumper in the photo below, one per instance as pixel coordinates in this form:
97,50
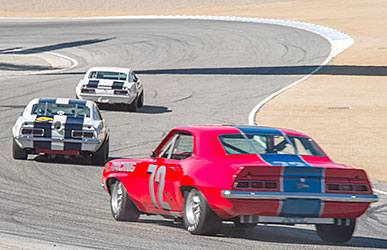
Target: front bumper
232,194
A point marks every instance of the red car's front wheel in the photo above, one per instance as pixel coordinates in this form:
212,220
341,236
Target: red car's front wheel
122,206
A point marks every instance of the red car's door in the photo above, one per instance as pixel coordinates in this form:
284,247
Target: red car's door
164,172
163,184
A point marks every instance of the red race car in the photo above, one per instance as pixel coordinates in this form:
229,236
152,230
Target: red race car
204,175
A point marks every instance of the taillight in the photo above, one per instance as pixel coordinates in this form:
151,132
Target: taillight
333,187
242,184
77,134
38,131
270,185
26,131
345,187
88,91
120,92
256,184
88,134
360,188
80,134
32,131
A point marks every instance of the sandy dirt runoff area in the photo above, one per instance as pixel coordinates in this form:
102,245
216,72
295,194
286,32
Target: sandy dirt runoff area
342,106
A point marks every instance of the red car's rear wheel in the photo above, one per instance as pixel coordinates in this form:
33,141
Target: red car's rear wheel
340,232
198,216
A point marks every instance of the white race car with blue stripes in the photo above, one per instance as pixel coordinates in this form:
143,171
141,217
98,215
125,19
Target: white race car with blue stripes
61,127
111,85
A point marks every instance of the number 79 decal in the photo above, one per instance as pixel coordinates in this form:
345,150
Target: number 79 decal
160,179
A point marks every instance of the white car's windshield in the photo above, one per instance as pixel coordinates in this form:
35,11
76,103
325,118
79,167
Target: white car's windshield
108,75
50,109
269,144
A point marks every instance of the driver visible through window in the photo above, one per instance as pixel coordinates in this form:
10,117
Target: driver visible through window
108,75
269,144
50,109
179,147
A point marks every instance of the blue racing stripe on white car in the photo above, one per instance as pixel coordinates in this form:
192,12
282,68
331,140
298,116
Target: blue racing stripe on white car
92,84
71,124
47,100
79,102
44,122
117,85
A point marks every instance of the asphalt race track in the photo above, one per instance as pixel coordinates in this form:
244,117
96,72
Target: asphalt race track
193,72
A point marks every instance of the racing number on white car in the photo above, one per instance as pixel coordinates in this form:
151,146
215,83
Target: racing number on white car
160,179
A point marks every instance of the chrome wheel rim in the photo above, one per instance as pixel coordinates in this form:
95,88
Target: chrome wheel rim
193,209
117,196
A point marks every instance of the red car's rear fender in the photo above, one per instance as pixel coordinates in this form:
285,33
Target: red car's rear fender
210,178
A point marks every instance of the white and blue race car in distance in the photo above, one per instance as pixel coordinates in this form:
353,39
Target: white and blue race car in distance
61,127
111,85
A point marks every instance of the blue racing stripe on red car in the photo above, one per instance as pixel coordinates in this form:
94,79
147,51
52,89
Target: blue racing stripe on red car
300,208
305,180
302,179
284,160
258,130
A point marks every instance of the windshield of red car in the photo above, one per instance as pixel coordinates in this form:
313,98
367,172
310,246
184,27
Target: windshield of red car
268,144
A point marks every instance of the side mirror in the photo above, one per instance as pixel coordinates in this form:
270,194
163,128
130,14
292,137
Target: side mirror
153,154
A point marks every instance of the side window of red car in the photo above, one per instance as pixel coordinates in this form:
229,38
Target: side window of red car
179,147
183,147
166,151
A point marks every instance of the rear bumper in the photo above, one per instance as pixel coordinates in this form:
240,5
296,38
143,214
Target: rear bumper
86,141
109,99
231,194
59,145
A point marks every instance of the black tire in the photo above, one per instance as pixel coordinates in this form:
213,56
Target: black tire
339,232
17,152
121,205
140,101
199,218
133,106
244,225
100,156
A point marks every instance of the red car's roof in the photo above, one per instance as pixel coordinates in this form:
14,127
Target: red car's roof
221,129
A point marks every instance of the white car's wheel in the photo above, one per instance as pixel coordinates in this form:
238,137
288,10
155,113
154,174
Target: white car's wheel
140,101
100,156
133,106
17,152
122,207
198,216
